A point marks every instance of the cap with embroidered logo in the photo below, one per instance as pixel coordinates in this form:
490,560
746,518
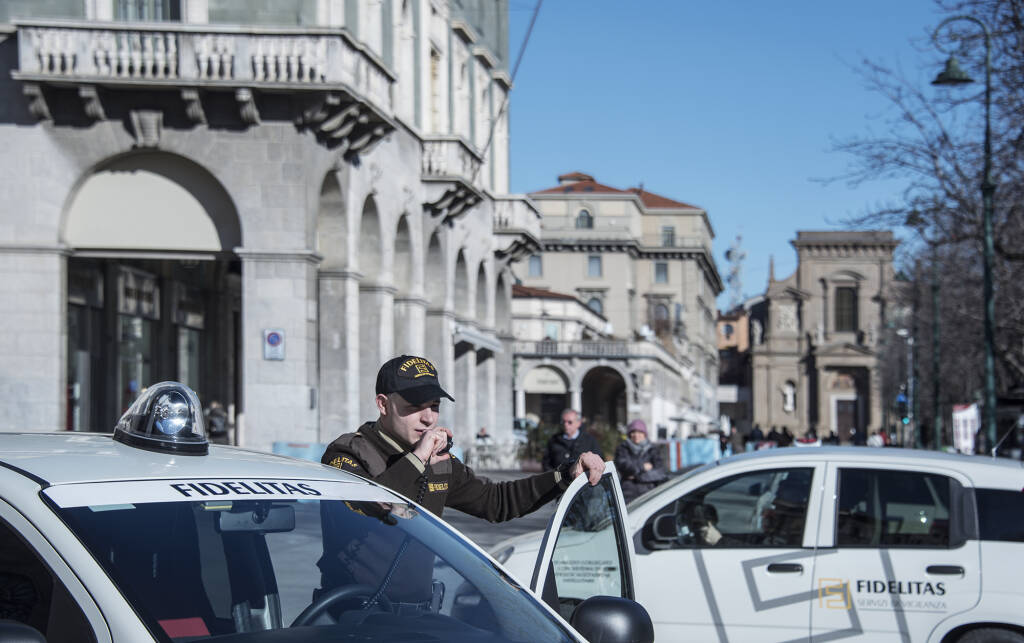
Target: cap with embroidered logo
414,378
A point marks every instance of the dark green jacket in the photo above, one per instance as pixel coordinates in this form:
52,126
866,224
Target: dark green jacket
375,455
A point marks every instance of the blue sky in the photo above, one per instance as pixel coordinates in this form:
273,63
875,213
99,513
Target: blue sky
732,106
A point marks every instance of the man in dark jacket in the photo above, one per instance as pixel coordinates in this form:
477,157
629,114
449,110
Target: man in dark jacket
638,461
571,443
406,451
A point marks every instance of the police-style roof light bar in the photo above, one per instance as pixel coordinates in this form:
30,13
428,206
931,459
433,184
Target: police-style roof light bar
167,417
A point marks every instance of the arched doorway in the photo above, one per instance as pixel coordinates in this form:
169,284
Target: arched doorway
603,397
376,298
546,391
154,289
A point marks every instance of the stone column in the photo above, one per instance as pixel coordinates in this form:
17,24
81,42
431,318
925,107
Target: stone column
339,353
465,384
576,400
410,325
439,349
33,371
486,414
280,399
376,341
504,385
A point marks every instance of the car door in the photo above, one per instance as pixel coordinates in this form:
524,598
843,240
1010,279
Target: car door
897,554
586,550
728,555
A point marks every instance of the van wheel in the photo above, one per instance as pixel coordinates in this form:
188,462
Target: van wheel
991,635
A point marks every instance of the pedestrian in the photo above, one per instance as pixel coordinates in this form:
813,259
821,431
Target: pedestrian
736,441
405,450
876,440
786,439
774,436
638,461
756,435
571,443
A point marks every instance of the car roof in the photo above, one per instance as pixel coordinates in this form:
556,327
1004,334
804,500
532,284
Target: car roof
888,456
68,457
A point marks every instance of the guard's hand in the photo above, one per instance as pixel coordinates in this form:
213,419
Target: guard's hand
592,464
648,466
430,443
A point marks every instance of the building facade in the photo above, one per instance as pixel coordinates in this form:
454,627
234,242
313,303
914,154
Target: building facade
265,200
643,263
815,335
734,385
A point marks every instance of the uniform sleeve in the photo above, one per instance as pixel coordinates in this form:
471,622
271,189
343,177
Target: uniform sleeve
501,501
402,476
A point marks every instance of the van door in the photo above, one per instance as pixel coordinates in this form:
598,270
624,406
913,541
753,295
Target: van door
896,554
585,551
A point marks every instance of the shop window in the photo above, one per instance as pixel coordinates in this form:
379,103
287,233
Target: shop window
584,219
846,309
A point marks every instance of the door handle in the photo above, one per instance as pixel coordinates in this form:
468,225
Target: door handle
945,570
785,568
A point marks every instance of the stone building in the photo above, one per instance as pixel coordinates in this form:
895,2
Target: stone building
814,337
734,391
263,199
643,263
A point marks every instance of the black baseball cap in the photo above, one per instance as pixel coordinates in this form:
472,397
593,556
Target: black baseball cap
414,378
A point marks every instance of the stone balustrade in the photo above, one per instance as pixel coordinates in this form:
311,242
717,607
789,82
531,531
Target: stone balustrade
450,157
200,55
516,225
608,349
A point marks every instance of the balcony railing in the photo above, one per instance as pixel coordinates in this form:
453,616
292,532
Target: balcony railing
450,157
137,53
609,349
516,225
656,241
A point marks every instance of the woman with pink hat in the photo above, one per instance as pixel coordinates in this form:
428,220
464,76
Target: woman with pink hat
638,461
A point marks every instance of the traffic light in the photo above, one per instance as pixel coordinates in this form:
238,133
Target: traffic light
902,409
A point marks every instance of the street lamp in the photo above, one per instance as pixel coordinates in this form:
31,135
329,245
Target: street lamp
953,75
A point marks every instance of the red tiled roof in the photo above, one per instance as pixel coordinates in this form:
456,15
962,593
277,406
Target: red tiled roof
575,176
589,186
652,200
542,293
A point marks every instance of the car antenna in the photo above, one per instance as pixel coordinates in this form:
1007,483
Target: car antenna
995,449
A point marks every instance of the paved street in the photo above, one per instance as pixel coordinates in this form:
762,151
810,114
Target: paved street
486,534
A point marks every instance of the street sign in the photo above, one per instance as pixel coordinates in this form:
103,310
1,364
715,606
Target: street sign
273,344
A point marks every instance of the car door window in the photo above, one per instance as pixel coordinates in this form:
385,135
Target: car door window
884,508
588,555
766,508
31,594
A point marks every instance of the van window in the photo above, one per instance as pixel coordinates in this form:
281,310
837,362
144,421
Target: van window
882,508
31,594
1000,514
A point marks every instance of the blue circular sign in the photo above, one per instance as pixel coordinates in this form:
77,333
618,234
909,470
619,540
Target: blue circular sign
274,339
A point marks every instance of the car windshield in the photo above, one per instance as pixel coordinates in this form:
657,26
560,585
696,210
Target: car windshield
308,568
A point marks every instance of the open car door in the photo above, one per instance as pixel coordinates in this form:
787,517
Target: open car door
586,551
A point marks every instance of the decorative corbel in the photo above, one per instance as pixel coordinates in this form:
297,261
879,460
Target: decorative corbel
147,126
36,101
91,102
247,106
193,105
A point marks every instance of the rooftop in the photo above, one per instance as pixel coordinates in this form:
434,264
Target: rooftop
581,183
541,293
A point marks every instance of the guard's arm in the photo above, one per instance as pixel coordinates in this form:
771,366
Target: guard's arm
402,476
501,501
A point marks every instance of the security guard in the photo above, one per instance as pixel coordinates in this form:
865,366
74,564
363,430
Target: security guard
406,451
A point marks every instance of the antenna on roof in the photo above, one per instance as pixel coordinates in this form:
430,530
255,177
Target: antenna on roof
735,256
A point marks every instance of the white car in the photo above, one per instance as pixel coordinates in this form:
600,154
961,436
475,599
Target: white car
833,543
152,534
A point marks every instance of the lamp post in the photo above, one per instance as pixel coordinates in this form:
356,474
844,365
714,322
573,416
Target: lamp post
953,75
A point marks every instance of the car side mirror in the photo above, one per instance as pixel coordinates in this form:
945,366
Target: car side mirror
755,489
18,632
611,619
665,527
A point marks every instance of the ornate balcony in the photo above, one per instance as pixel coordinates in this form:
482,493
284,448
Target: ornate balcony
517,226
450,167
346,89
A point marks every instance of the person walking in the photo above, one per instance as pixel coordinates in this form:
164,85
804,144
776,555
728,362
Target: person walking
638,461
571,443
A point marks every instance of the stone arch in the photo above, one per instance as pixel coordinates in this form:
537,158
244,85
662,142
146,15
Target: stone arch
544,391
483,316
371,242
502,306
403,262
846,275
604,396
332,225
434,290
461,287
151,200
